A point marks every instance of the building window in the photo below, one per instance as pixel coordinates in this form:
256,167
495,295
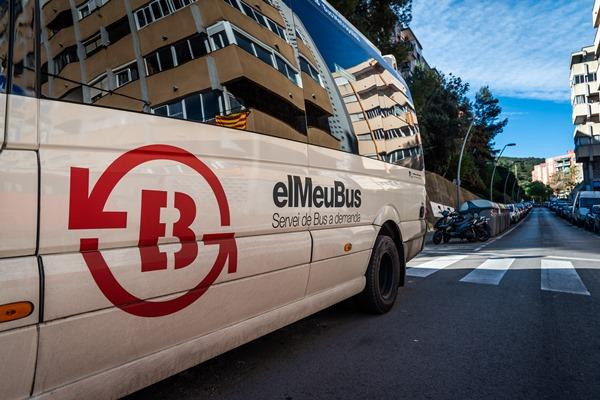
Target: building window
200,107
67,56
118,30
379,134
99,87
63,20
259,17
577,79
398,155
176,54
374,112
579,99
126,74
93,44
223,34
88,7
308,69
350,99
591,77
158,9
357,117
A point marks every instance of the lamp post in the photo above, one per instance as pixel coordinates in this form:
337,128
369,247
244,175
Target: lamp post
462,152
494,171
515,184
506,185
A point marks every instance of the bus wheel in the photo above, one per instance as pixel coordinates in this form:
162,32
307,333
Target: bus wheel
383,277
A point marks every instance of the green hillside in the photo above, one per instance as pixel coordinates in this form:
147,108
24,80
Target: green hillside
525,166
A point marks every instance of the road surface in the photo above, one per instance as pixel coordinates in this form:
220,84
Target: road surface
516,319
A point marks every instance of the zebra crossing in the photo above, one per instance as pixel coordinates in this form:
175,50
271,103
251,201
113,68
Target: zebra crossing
557,274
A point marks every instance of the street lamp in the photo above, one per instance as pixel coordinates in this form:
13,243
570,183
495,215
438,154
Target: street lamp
462,152
515,183
494,171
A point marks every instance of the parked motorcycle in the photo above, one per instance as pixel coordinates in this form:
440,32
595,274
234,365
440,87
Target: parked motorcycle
457,226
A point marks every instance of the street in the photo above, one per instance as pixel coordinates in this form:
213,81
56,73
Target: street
518,318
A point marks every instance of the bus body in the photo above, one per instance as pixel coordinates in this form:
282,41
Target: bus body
180,177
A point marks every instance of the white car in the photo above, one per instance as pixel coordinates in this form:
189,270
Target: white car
584,201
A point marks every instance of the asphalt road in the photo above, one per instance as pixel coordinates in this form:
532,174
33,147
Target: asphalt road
517,319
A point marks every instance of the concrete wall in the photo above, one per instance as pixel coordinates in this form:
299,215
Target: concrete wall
443,191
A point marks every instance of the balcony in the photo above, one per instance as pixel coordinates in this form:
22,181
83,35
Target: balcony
581,89
585,151
587,145
581,112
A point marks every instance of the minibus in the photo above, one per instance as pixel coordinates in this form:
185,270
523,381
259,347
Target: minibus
180,177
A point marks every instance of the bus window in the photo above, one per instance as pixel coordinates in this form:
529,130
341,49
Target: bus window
23,57
4,38
223,62
369,111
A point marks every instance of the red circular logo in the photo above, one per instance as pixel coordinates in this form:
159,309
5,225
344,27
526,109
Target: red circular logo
87,212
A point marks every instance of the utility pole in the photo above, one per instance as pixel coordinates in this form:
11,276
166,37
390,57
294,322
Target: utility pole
462,152
494,171
515,184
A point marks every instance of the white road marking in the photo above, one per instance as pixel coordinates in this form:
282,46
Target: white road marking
490,272
561,276
431,267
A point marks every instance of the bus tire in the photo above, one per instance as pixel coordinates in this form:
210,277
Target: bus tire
383,277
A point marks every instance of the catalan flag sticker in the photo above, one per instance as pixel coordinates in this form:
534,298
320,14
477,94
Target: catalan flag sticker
235,121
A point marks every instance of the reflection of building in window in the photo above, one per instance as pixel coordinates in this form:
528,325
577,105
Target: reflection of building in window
195,60
414,57
381,115
328,124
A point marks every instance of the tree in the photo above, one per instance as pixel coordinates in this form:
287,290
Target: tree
538,191
443,111
565,181
378,20
486,111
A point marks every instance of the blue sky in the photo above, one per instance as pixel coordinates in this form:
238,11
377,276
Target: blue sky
521,49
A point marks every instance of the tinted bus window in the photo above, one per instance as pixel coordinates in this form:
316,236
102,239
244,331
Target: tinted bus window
4,38
222,62
355,101
23,57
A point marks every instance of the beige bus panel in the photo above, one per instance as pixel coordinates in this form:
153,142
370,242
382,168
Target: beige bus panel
383,185
328,273
18,202
118,337
21,128
17,365
67,277
330,243
142,372
19,282
247,165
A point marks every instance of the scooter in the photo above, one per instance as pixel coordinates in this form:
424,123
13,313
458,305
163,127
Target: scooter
455,225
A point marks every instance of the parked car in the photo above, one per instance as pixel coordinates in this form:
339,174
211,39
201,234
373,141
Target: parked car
584,201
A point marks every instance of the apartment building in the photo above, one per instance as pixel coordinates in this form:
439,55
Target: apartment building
560,164
254,66
383,119
585,89
187,59
415,56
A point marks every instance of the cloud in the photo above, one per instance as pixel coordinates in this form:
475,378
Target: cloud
520,48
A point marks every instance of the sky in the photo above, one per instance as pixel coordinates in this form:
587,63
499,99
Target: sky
521,49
